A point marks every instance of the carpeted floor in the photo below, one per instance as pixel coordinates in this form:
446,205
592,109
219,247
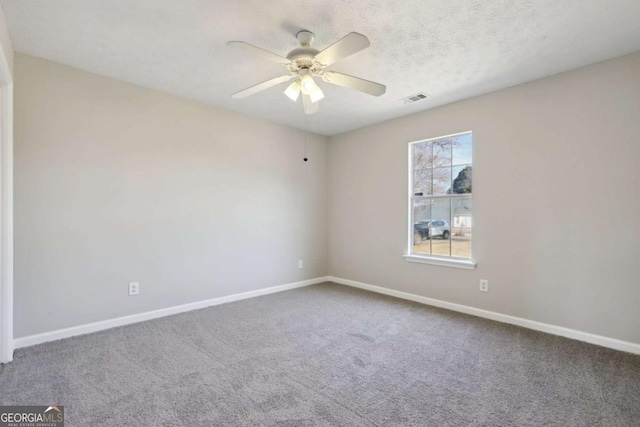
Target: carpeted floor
326,355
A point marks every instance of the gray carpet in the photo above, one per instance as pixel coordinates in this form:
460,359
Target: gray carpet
326,355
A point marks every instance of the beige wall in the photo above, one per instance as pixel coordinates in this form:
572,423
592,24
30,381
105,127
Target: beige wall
556,206
115,183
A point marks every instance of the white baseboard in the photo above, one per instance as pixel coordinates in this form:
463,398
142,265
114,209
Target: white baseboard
504,318
149,315
492,315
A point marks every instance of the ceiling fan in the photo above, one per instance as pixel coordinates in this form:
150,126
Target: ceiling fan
304,63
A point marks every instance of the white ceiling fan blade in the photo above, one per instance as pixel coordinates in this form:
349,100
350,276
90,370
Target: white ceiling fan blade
355,83
261,86
260,52
293,91
348,45
316,95
309,106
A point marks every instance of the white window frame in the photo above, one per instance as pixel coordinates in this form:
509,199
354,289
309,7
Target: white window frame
441,260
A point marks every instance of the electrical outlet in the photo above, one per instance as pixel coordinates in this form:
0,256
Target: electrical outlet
484,285
134,288
300,264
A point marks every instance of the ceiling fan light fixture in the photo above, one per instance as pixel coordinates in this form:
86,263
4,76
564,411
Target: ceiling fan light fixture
293,91
307,84
316,95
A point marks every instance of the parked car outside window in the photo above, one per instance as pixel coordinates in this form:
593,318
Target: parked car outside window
436,228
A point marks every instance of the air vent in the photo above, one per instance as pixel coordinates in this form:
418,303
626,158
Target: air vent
415,98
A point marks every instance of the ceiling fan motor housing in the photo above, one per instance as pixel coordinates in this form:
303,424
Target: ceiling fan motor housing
302,57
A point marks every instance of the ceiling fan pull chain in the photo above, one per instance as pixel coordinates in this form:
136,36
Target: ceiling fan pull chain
305,136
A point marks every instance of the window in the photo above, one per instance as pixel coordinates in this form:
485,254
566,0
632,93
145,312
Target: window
440,226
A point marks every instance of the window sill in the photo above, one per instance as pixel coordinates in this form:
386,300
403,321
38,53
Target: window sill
444,262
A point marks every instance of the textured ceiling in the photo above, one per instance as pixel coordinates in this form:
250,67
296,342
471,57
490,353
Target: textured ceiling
450,49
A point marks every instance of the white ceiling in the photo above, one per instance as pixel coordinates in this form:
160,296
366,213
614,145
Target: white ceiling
450,49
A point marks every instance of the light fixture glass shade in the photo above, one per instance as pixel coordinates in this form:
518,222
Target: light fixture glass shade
316,95
307,84
308,106
293,91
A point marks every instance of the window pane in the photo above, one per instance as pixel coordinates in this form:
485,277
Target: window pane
439,231
462,152
441,174
462,179
461,230
441,181
421,218
422,182
442,152
422,155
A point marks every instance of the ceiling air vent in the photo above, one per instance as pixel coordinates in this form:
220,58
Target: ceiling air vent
415,98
